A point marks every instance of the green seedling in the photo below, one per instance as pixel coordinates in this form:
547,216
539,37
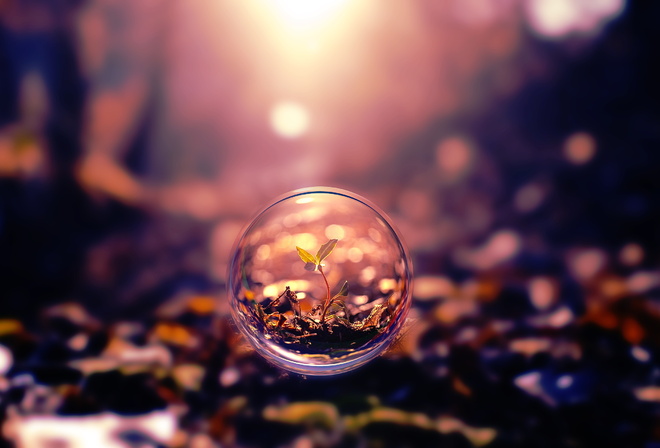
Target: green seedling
315,263
329,322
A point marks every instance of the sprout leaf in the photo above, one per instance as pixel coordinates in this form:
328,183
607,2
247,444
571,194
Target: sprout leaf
307,257
326,250
343,292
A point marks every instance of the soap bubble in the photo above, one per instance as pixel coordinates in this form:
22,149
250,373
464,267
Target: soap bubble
320,281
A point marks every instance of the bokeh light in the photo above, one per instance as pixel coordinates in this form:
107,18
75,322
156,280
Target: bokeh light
580,148
289,120
555,19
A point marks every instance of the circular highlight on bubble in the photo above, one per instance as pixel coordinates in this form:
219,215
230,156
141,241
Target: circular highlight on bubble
320,282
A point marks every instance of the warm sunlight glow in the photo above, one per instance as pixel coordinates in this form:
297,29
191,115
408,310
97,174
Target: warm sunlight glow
289,120
305,14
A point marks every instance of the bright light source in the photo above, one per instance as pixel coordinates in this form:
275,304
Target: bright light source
555,19
289,120
305,14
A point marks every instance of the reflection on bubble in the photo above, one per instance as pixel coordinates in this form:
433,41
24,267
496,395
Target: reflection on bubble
339,282
291,220
367,275
355,255
263,252
335,231
305,240
374,234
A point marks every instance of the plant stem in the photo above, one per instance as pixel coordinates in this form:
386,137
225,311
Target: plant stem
327,300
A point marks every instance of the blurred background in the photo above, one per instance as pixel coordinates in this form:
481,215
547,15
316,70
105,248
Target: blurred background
513,142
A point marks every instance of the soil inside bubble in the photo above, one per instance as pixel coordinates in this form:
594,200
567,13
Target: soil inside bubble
328,339
337,333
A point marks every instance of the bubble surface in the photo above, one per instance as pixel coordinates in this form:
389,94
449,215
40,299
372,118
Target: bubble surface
320,281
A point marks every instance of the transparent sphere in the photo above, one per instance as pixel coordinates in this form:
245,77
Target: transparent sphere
320,281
